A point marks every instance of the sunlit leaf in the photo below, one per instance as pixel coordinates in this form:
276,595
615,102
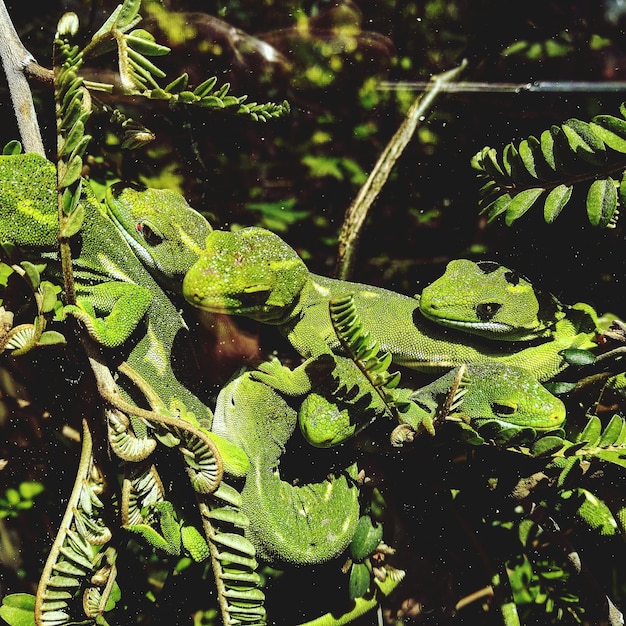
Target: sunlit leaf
611,130
601,202
521,203
556,201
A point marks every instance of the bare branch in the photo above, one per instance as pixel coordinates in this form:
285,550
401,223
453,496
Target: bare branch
15,60
357,211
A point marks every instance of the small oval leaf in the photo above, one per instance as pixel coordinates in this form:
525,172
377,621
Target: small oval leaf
72,173
12,148
74,222
367,536
591,432
359,580
51,338
601,202
576,356
556,201
521,203
611,130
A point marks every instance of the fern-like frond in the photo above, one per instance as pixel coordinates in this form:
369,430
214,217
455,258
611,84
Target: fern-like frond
574,157
361,347
78,553
233,558
139,76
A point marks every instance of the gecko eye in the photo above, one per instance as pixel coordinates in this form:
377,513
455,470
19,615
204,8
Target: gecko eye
504,410
486,310
487,267
151,237
512,277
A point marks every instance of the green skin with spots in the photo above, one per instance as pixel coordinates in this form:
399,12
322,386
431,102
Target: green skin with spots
302,524
494,392
253,272
119,302
164,232
488,299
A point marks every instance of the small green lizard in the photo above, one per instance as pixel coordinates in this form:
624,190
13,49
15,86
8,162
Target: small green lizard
116,296
493,392
164,232
253,272
122,307
300,524
490,300
505,307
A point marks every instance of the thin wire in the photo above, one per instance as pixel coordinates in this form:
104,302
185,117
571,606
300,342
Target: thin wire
546,86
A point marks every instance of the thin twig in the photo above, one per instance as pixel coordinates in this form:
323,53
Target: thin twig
15,60
357,211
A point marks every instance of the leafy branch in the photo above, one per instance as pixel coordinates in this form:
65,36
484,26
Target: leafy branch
575,155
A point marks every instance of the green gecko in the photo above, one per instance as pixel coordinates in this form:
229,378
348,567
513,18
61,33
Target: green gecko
490,300
122,307
164,232
506,307
253,272
116,296
300,524
492,392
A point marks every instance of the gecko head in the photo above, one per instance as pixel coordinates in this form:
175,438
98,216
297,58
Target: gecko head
510,395
488,299
162,229
250,272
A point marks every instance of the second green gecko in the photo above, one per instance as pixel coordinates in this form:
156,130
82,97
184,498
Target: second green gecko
123,308
306,523
253,272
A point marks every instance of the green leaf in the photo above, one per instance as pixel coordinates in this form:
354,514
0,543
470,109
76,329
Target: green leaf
128,14
73,137
359,580
204,88
74,222
527,156
611,130
498,206
601,202
18,609
32,273
49,294
143,42
178,84
612,432
493,167
584,142
575,356
612,456
547,148
72,173
556,201
560,387
591,432
51,338
5,272
71,197
367,536
142,62
547,445
187,97
521,203
212,102
321,166
12,148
